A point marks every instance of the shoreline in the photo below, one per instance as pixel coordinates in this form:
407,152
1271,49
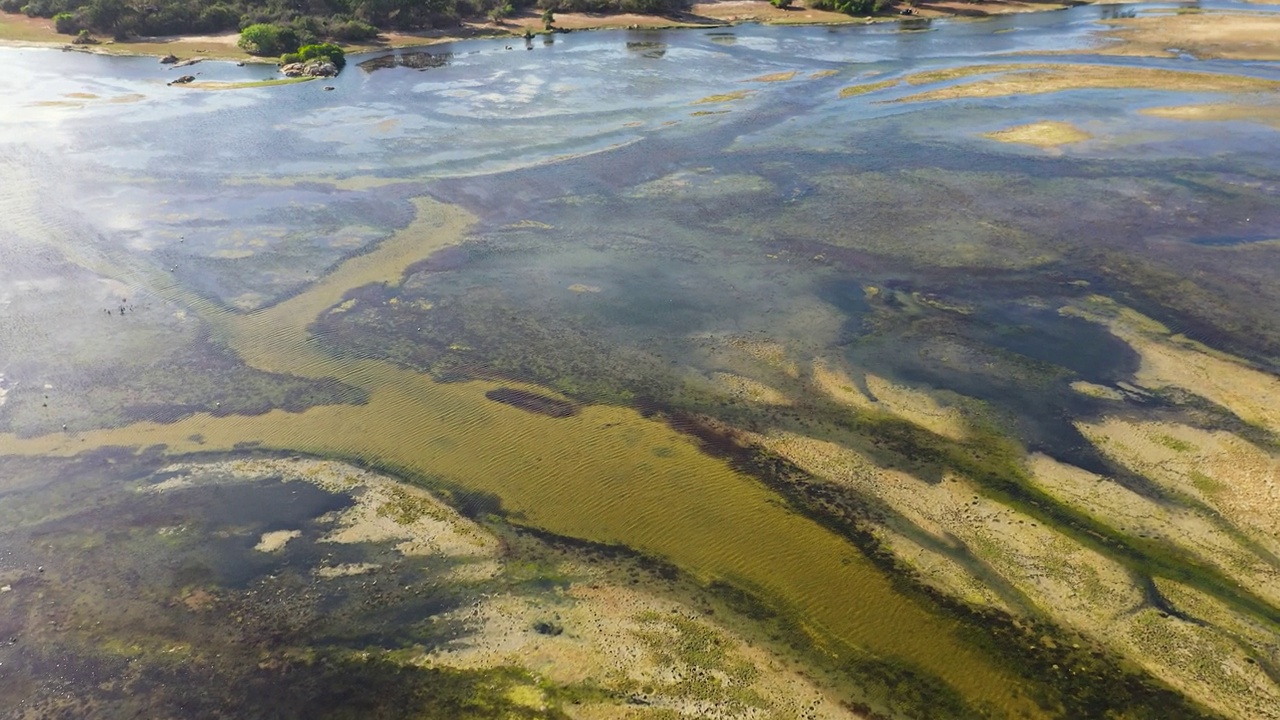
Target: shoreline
17,30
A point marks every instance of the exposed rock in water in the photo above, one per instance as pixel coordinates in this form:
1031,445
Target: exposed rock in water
184,80
184,63
311,68
416,60
168,59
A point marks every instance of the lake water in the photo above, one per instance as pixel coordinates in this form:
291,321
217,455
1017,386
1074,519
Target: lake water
551,280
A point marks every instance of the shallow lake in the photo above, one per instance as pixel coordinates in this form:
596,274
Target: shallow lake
594,286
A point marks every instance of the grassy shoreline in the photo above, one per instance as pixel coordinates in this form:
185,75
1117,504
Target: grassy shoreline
21,31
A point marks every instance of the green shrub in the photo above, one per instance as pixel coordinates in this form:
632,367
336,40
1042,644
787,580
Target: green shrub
500,11
353,31
781,4
848,7
66,23
268,39
36,9
216,18
321,51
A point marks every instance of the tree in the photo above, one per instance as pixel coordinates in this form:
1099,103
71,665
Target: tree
268,39
500,11
781,4
548,18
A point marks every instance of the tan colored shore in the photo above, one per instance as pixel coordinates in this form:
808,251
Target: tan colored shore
1205,35
20,30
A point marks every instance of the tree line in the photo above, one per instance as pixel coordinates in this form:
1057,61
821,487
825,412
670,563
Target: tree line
302,22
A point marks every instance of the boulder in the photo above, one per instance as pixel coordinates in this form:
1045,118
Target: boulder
168,59
311,68
184,80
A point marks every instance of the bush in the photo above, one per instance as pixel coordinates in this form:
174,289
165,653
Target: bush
66,23
498,12
216,18
848,7
353,31
36,9
781,4
321,51
268,39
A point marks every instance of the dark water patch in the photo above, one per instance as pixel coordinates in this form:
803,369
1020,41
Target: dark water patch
445,259
651,49
533,402
1086,348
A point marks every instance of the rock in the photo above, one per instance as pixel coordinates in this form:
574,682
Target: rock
184,80
168,59
328,87
189,61
311,68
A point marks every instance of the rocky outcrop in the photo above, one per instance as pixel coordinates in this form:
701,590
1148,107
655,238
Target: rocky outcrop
184,80
168,59
310,68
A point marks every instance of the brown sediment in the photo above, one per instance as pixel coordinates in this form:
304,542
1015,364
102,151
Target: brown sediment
1012,79
1047,134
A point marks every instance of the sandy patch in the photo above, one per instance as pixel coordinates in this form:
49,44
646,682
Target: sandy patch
1173,360
638,646
723,97
1047,134
1102,392
275,540
1046,78
1220,112
1231,475
383,509
774,77
346,570
863,89
1039,567
911,404
744,388
1135,515
1206,35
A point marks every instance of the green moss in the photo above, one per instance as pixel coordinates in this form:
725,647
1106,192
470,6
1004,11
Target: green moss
1173,443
